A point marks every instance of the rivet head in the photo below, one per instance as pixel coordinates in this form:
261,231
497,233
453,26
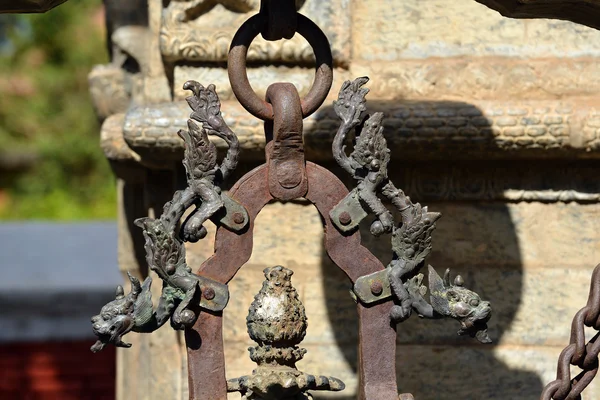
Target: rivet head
345,218
209,293
238,218
376,288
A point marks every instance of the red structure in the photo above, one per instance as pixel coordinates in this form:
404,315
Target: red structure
56,370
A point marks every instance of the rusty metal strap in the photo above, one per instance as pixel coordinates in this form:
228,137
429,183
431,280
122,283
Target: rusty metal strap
206,360
285,153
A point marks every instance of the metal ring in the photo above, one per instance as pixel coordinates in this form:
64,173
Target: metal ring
238,78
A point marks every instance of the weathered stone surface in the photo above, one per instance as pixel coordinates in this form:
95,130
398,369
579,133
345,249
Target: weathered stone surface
112,141
477,372
438,28
205,34
513,182
260,78
110,90
523,257
521,235
480,78
413,129
458,84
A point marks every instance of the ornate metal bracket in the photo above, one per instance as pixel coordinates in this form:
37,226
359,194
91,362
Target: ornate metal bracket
183,291
195,302
411,238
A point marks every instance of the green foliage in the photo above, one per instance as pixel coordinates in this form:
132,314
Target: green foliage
45,109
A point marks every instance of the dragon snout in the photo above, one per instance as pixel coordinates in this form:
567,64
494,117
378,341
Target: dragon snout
484,310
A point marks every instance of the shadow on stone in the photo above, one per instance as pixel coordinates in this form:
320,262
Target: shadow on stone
475,237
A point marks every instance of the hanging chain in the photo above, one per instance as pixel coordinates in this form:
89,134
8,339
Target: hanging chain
578,353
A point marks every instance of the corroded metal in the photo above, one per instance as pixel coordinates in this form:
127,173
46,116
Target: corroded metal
206,362
277,320
411,238
183,292
285,152
236,65
579,353
277,323
203,173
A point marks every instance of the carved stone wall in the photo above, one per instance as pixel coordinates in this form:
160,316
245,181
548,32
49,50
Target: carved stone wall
493,122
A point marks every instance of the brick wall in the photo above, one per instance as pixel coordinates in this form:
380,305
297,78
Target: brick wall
56,370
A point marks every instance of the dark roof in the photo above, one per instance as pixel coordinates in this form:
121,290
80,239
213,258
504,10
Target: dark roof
54,277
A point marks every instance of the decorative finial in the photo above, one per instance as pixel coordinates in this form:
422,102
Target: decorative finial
277,322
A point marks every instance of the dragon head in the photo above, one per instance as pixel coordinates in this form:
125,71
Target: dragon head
116,318
455,301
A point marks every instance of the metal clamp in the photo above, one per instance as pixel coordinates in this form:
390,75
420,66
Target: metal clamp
373,287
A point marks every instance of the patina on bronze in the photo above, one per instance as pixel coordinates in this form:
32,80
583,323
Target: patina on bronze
384,295
183,292
411,238
277,323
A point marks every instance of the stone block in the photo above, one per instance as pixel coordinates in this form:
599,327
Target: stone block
203,34
259,77
536,130
379,37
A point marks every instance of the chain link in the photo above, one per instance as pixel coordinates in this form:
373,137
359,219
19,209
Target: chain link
578,353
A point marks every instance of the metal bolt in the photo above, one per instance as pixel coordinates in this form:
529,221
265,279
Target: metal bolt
345,218
209,293
238,218
376,288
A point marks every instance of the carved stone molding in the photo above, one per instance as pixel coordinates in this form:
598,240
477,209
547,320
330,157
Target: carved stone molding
513,182
202,31
112,142
110,89
482,78
414,130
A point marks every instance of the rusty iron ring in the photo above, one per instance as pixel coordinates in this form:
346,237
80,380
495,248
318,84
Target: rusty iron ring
238,78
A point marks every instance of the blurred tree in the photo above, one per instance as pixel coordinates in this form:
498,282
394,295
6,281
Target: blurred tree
48,130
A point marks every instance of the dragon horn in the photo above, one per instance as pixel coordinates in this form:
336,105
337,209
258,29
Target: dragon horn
141,222
447,278
436,284
136,288
194,86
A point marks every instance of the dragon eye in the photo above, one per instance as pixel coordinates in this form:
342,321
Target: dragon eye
452,296
474,302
